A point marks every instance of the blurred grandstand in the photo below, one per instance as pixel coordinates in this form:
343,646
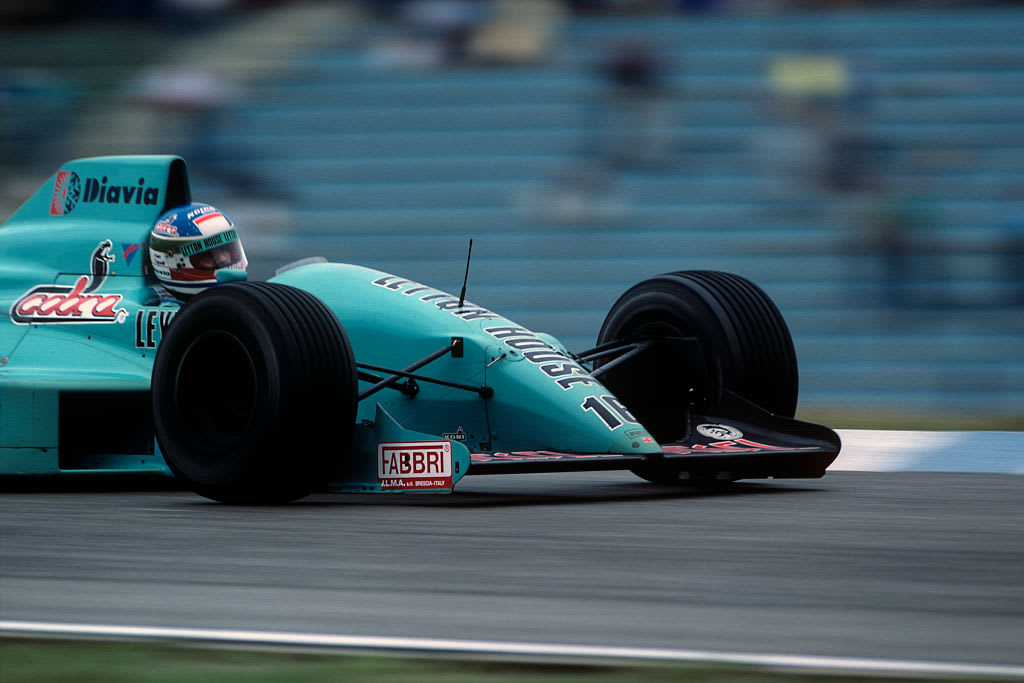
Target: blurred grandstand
863,163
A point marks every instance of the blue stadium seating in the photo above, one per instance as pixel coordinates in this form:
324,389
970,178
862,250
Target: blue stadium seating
398,169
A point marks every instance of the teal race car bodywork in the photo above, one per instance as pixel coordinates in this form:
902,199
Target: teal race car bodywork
445,387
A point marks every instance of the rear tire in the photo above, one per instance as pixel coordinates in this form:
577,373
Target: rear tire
254,393
747,349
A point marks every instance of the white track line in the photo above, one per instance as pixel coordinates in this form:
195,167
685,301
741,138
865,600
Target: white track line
440,646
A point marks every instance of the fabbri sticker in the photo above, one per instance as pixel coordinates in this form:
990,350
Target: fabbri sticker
411,465
77,303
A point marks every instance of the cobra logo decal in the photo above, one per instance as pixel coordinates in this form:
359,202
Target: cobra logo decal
77,303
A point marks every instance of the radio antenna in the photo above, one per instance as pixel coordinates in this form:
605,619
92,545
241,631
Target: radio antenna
462,296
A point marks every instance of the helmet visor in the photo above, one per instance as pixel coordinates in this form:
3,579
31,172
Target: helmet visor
219,257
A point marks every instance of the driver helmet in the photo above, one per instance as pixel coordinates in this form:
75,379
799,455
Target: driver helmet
192,247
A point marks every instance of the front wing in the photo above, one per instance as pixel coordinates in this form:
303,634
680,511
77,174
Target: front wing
741,442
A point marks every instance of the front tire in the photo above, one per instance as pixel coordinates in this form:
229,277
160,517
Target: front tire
254,393
746,349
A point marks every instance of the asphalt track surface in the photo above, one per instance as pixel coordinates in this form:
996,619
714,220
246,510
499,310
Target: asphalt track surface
907,566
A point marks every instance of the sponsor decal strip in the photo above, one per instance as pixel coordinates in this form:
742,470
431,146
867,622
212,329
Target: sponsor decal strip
599,655
208,243
530,456
737,446
716,448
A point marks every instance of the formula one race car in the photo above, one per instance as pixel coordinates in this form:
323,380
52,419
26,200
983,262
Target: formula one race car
335,377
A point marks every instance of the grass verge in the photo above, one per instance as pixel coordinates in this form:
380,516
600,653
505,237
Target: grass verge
24,660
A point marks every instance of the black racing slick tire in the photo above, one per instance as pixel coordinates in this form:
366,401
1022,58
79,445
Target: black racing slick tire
254,393
745,347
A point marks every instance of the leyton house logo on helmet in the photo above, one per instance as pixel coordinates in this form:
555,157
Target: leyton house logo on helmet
69,191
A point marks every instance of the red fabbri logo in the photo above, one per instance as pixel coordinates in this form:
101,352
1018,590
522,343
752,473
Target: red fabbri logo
77,303
414,465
